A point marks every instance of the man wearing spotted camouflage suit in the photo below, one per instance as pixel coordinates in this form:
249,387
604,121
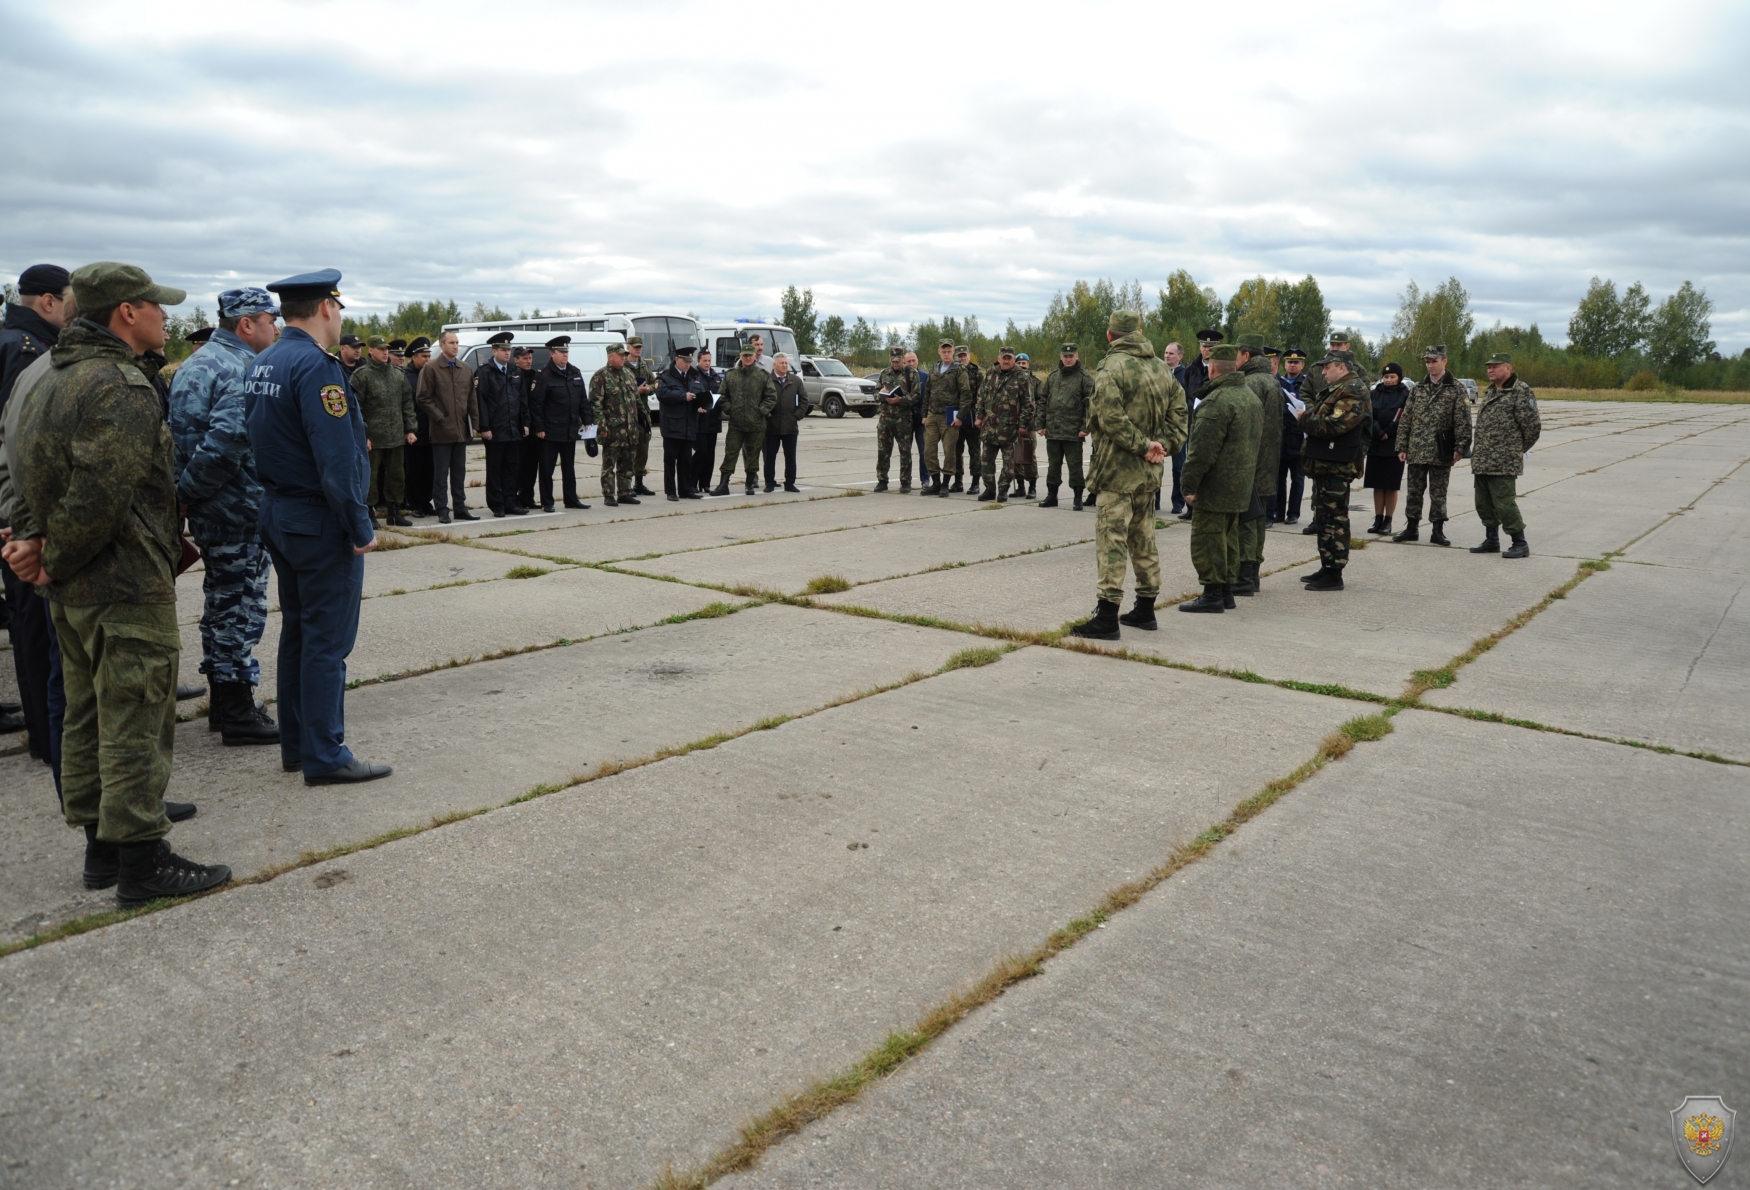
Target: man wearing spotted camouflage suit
1137,422
216,484
950,388
1434,433
1335,423
613,394
1002,410
1508,426
898,387
645,377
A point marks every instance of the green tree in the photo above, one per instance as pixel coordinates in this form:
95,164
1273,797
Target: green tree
1080,317
1256,309
1606,326
797,312
1305,319
482,314
834,336
1184,309
1677,333
1441,315
864,340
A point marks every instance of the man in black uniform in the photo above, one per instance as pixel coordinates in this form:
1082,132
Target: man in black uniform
352,354
419,454
558,410
33,324
529,458
502,397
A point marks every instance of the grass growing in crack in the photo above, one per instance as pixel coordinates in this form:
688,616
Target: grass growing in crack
711,611
827,584
795,1112
526,572
972,658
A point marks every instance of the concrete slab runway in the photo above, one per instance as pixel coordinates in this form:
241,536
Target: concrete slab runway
1374,984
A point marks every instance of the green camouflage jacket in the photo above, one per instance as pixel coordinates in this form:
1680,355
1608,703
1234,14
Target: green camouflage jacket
1436,415
749,396
1067,396
613,393
1221,455
1264,385
952,387
1136,401
1002,403
642,374
94,465
386,400
1331,414
1034,415
906,381
1507,426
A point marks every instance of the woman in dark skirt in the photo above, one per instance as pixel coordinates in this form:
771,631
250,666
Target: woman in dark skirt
1385,473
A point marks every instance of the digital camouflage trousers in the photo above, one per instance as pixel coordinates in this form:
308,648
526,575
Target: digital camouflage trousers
1435,480
1215,545
236,609
1330,505
1124,532
889,433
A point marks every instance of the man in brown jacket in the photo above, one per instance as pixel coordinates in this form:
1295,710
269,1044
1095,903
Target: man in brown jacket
446,397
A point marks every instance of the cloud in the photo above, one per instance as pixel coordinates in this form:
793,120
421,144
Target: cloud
927,159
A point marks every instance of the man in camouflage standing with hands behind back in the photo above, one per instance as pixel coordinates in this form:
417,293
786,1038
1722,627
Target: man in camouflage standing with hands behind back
1508,426
1434,433
1003,402
613,393
1335,422
1138,422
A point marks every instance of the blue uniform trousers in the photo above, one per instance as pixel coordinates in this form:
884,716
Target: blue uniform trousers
320,583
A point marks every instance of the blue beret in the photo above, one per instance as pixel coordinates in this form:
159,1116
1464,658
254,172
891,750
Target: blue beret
251,299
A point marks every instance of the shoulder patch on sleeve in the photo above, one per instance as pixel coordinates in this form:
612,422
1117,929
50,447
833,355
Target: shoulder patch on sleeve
334,399
134,376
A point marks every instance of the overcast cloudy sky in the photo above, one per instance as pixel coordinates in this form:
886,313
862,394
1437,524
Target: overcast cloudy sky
903,159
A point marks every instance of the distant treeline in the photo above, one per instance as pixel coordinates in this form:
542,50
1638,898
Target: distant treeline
1615,340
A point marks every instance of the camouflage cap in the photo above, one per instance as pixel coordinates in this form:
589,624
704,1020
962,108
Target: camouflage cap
944,343
1005,349
107,284
962,349
635,341
1340,337
747,349
1123,322
1251,343
1067,349
251,299
892,352
1339,355
616,349
1500,357
378,341
1225,351
1434,351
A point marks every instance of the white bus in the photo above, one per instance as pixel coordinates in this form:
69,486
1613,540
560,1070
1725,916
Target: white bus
662,331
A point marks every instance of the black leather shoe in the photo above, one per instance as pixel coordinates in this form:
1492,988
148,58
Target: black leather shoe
10,723
1310,530
179,811
1327,580
1209,601
290,766
443,518
462,514
630,499
351,773
151,871
881,485
790,487
518,510
638,489
184,692
575,504
546,508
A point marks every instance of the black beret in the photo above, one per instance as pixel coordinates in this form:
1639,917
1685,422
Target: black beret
43,278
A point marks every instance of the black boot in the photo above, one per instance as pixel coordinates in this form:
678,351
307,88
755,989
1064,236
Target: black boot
102,860
905,487
1078,504
1211,600
880,485
1436,533
957,486
1328,579
609,501
1032,488
1519,549
1142,615
1050,500
1243,584
1491,541
1378,524
398,517
1410,533
1003,495
1385,526
1319,573
635,500
1103,625
638,488
1227,597
1310,529
972,486
240,721
722,488
150,871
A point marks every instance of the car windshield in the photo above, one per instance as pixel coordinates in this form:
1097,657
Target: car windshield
831,367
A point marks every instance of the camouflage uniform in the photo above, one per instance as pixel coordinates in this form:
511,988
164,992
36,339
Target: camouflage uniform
215,477
1436,423
966,446
643,374
1334,412
1221,459
1136,401
1066,400
1263,384
613,393
386,400
1026,449
748,397
894,425
950,386
1002,407
93,467
1508,426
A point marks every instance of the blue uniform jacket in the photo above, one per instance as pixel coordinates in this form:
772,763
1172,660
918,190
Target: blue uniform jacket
215,469
308,433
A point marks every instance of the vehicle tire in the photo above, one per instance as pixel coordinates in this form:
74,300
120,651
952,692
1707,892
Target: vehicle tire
867,412
834,405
